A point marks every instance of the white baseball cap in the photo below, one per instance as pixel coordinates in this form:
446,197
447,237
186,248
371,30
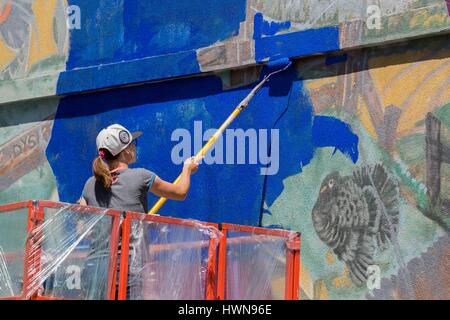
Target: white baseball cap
116,138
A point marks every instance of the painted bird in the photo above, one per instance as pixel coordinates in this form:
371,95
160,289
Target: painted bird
356,215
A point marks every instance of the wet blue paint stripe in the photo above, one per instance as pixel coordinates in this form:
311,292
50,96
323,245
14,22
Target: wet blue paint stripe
265,28
297,44
332,132
129,72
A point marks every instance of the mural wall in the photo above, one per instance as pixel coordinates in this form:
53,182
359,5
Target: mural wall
33,49
363,133
380,210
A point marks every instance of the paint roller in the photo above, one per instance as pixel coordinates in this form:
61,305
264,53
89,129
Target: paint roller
272,68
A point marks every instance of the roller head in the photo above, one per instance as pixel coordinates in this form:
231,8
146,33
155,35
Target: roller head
278,64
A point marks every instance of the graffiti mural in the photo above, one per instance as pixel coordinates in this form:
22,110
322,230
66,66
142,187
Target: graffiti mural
399,112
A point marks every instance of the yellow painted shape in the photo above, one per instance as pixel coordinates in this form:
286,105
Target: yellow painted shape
418,20
384,77
330,257
317,83
6,55
387,69
424,99
395,84
344,280
437,19
42,43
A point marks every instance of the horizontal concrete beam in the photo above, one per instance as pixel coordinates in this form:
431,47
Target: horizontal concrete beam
190,63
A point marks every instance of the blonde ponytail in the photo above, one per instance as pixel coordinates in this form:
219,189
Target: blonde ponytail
102,173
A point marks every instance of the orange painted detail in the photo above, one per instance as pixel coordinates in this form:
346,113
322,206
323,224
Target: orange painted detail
5,14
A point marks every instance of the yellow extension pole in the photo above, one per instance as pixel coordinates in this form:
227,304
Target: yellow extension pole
244,103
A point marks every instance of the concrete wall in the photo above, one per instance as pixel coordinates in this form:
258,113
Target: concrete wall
381,103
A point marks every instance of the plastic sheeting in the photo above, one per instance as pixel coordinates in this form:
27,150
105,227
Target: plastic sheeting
69,254
255,266
13,231
72,251
169,261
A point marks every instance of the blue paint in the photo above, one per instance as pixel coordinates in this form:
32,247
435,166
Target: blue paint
332,132
265,28
306,133
219,193
101,36
118,30
296,145
336,59
279,64
297,44
127,72
135,41
123,42
156,28
157,110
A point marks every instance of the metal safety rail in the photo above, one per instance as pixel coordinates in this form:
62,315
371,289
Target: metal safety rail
263,255
142,256
181,256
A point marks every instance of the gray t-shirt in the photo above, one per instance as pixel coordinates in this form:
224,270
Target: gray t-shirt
128,193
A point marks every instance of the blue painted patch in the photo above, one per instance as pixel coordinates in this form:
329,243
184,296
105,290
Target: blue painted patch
118,30
265,28
123,42
219,193
156,28
296,145
336,59
297,44
128,72
101,36
332,132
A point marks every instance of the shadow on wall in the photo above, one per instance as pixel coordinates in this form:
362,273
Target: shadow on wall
25,131
357,60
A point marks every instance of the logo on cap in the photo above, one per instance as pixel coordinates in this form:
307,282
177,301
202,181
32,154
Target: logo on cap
124,137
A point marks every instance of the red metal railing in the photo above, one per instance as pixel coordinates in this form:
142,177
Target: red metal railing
210,283
216,270
114,240
292,240
32,259
30,225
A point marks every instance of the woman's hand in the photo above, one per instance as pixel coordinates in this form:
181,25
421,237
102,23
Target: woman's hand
191,164
82,202
180,190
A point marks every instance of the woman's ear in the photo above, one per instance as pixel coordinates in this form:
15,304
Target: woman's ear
130,155
123,156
